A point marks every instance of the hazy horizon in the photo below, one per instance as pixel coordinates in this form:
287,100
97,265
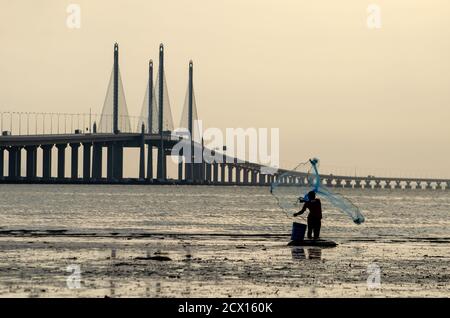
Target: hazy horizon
362,100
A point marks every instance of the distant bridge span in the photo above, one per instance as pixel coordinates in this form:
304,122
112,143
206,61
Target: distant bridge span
227,171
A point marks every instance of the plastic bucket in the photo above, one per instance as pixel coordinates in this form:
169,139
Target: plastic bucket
298,231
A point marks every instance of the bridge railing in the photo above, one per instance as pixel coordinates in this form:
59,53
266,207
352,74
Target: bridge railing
33,123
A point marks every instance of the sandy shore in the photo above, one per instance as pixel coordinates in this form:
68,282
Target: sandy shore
35,264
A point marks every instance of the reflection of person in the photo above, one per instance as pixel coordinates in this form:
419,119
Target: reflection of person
315,214
314,253
298,253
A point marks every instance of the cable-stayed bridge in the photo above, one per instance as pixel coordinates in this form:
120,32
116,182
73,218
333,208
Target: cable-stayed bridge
23,134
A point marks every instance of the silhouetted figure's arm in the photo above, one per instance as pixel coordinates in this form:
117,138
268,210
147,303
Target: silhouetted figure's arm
305,206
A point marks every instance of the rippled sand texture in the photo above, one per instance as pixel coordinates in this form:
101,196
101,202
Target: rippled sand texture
173,241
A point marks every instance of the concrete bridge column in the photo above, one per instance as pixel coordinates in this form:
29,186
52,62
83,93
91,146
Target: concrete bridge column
2,162
202,165
19,162
118,161
189,168
215,172
188,171
245,176
162,161
238,175
142,154
97,158
47,161
74,160
87,160
12,162
254,176
109,162
180,168
208,167
262,178
61,160
222,172
230,173
149,162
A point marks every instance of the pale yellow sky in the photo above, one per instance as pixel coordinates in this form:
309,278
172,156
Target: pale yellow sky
352,96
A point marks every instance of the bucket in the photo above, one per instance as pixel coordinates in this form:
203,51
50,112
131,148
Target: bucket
298,231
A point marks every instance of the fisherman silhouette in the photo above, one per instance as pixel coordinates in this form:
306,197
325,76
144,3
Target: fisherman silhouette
315,214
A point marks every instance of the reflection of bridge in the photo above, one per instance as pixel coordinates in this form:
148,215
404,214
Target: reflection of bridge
114,131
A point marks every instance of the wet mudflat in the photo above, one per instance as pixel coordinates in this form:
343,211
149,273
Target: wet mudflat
225,267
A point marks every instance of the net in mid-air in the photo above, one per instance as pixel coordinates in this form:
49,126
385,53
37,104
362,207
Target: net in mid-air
290,195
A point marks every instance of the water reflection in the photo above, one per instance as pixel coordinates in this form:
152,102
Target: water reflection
112,274
187,271
301,253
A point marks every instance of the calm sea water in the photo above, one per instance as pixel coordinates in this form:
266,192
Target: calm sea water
203,209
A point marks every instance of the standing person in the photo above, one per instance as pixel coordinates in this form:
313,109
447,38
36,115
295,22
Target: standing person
315,215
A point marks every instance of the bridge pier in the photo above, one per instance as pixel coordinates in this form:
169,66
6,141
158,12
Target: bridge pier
215,172
13,162
202,164
254,176
197,166
150,162
222,172
97,157
47,161
245,176
142,154
162,164
262,179
114,161
238,175
180,167
348,184
118,161
230,173
109,162
19,162
61,160
208,167
188,171
2,162
74,160
87,161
